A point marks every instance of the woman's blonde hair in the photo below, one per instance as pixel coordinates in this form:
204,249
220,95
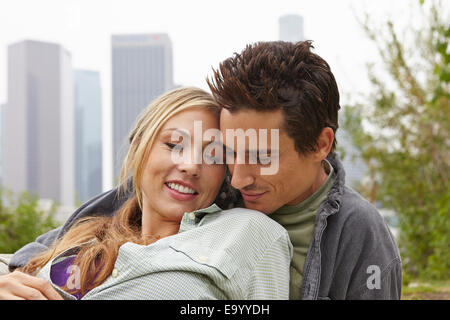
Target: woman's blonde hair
99,238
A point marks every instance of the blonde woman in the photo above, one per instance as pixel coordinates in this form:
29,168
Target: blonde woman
168,240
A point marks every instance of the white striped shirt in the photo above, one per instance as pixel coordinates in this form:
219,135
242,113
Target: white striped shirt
231,254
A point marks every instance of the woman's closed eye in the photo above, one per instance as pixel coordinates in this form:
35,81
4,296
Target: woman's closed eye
172,146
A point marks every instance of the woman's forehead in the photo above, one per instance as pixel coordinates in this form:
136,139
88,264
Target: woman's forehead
195,118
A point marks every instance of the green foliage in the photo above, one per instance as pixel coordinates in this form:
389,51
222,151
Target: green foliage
402,129
21,220
430,290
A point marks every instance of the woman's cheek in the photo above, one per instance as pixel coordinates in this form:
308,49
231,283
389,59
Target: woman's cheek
216,177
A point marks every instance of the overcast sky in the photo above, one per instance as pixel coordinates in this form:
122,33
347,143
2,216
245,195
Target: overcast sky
202,32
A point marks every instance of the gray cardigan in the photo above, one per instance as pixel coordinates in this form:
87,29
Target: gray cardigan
352,255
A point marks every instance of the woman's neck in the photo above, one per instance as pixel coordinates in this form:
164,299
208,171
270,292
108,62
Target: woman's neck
154,226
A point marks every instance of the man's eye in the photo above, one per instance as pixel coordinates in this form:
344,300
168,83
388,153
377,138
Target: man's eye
230,153
264,160
213,159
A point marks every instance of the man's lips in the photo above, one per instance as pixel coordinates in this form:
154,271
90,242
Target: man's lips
252,196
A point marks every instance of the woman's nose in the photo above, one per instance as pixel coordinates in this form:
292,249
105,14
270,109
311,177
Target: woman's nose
191,163
190,168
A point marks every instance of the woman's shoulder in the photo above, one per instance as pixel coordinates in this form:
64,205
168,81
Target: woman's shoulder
249,221
246,214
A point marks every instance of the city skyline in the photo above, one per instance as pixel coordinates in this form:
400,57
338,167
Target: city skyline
200,42
137,65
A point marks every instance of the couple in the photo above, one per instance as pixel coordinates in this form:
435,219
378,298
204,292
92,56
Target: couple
164,234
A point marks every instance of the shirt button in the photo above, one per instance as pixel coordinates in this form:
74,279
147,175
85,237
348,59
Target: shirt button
202,259
115,273
192,216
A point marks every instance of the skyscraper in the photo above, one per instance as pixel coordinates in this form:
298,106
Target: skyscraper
141,71
291,28
354,165
88,134
39,127
2,108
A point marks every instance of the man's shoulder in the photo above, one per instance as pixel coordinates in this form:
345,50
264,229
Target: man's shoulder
354,209
104,204
360,223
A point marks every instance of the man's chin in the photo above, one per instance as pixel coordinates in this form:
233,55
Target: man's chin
258,207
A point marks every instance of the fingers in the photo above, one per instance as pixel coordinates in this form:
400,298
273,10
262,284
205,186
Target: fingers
10,297
10,288
21,285
43,286
26,293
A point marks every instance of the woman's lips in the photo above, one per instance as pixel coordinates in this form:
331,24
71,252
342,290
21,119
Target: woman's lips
179,195
252,196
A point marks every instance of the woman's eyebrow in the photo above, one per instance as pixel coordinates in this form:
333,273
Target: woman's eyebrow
184,133
172,129
181,132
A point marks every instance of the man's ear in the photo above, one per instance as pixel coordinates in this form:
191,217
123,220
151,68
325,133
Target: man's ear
324,143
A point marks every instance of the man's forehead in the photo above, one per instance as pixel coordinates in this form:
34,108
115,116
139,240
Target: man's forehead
231,149
252,119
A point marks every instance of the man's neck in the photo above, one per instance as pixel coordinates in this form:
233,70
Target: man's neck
321,177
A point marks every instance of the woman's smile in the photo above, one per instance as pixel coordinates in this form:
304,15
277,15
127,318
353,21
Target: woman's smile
180,190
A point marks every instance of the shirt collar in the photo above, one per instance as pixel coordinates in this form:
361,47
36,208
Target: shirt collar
190,220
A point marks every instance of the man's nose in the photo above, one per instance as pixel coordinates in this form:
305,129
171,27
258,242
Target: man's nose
241,176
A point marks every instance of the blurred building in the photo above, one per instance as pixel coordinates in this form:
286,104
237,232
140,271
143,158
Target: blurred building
141,71
39,127
356,172
2,108
355,167
291,28
88,134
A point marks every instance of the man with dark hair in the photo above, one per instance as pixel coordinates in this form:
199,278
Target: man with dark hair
342,246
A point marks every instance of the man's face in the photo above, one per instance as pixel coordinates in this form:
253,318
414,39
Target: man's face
297,176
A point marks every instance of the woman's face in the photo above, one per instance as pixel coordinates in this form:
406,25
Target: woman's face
169,189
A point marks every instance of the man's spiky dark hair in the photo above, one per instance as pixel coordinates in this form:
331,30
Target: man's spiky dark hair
281,75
